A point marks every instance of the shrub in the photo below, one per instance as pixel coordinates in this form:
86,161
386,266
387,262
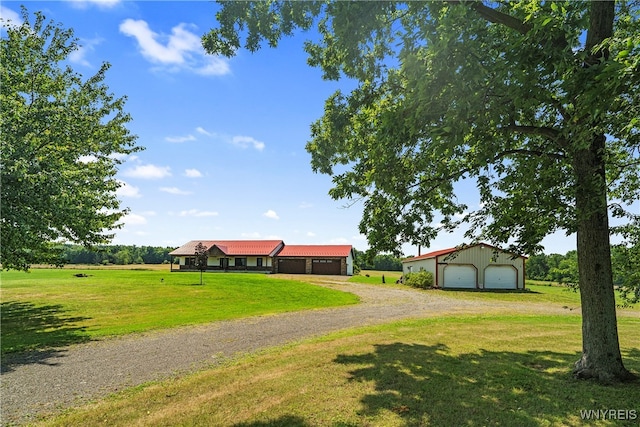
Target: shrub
422,279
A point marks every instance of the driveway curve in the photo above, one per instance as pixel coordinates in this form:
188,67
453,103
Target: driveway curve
38,384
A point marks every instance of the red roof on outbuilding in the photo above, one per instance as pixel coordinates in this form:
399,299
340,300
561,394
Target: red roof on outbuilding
433,254
316,250
448,251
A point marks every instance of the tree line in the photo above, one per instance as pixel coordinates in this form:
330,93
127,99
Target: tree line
116,254
382,262
625,263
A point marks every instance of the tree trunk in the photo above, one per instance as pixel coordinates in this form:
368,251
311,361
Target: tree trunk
601,358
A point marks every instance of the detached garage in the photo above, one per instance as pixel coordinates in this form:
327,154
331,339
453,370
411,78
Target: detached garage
479,266
316,259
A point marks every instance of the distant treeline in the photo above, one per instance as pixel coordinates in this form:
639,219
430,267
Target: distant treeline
380,262
116,254
564,268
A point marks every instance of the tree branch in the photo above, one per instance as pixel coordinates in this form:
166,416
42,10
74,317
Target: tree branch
502,154
547,132
498,17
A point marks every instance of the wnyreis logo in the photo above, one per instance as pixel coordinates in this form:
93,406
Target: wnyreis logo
609,414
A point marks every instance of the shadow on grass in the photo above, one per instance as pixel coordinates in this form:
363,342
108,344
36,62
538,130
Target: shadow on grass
428,385
32,334
284,421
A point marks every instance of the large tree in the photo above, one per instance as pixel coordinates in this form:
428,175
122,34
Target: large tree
537,102
62,139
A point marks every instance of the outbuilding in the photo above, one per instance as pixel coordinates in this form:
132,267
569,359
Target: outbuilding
477,266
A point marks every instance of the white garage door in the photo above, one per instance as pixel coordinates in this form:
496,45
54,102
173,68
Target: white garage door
500,277
459,276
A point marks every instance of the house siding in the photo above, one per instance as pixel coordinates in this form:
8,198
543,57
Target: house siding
422,264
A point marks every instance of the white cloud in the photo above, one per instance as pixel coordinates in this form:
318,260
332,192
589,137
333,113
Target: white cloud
213,66
204,131
102,4
175,190
9,17
148,172
134,219
305,205
192,173
246,141
271,214
311,234
128,190
84,47
88,159
179,139
181,50
121,157
197,213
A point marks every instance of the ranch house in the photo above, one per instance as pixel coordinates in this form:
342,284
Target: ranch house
266,256
229,255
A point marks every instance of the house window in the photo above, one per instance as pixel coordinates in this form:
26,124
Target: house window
222,262
241,262
259,262
190,261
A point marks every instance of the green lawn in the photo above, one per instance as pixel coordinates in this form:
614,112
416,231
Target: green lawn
449,371
374,277
53,307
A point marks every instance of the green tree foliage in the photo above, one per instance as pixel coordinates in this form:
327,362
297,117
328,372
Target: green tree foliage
626,264
108,254
537,102
61,138
202,254
382,262
625,259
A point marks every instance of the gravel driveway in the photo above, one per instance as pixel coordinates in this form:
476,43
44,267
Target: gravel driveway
46,382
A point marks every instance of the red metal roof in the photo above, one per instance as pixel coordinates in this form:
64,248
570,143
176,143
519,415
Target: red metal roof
233,247
448,251
432,254
316,250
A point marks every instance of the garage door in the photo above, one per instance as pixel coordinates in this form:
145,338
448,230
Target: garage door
325,266
459,276
292,266
500,277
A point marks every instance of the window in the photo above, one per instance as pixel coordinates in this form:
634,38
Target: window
241,262
222,262
259,262
190,261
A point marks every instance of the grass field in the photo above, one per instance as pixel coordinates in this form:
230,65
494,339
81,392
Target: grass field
475,370
374,277
450,371
53,307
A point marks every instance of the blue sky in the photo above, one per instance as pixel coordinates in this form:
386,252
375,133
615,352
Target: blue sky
224,138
